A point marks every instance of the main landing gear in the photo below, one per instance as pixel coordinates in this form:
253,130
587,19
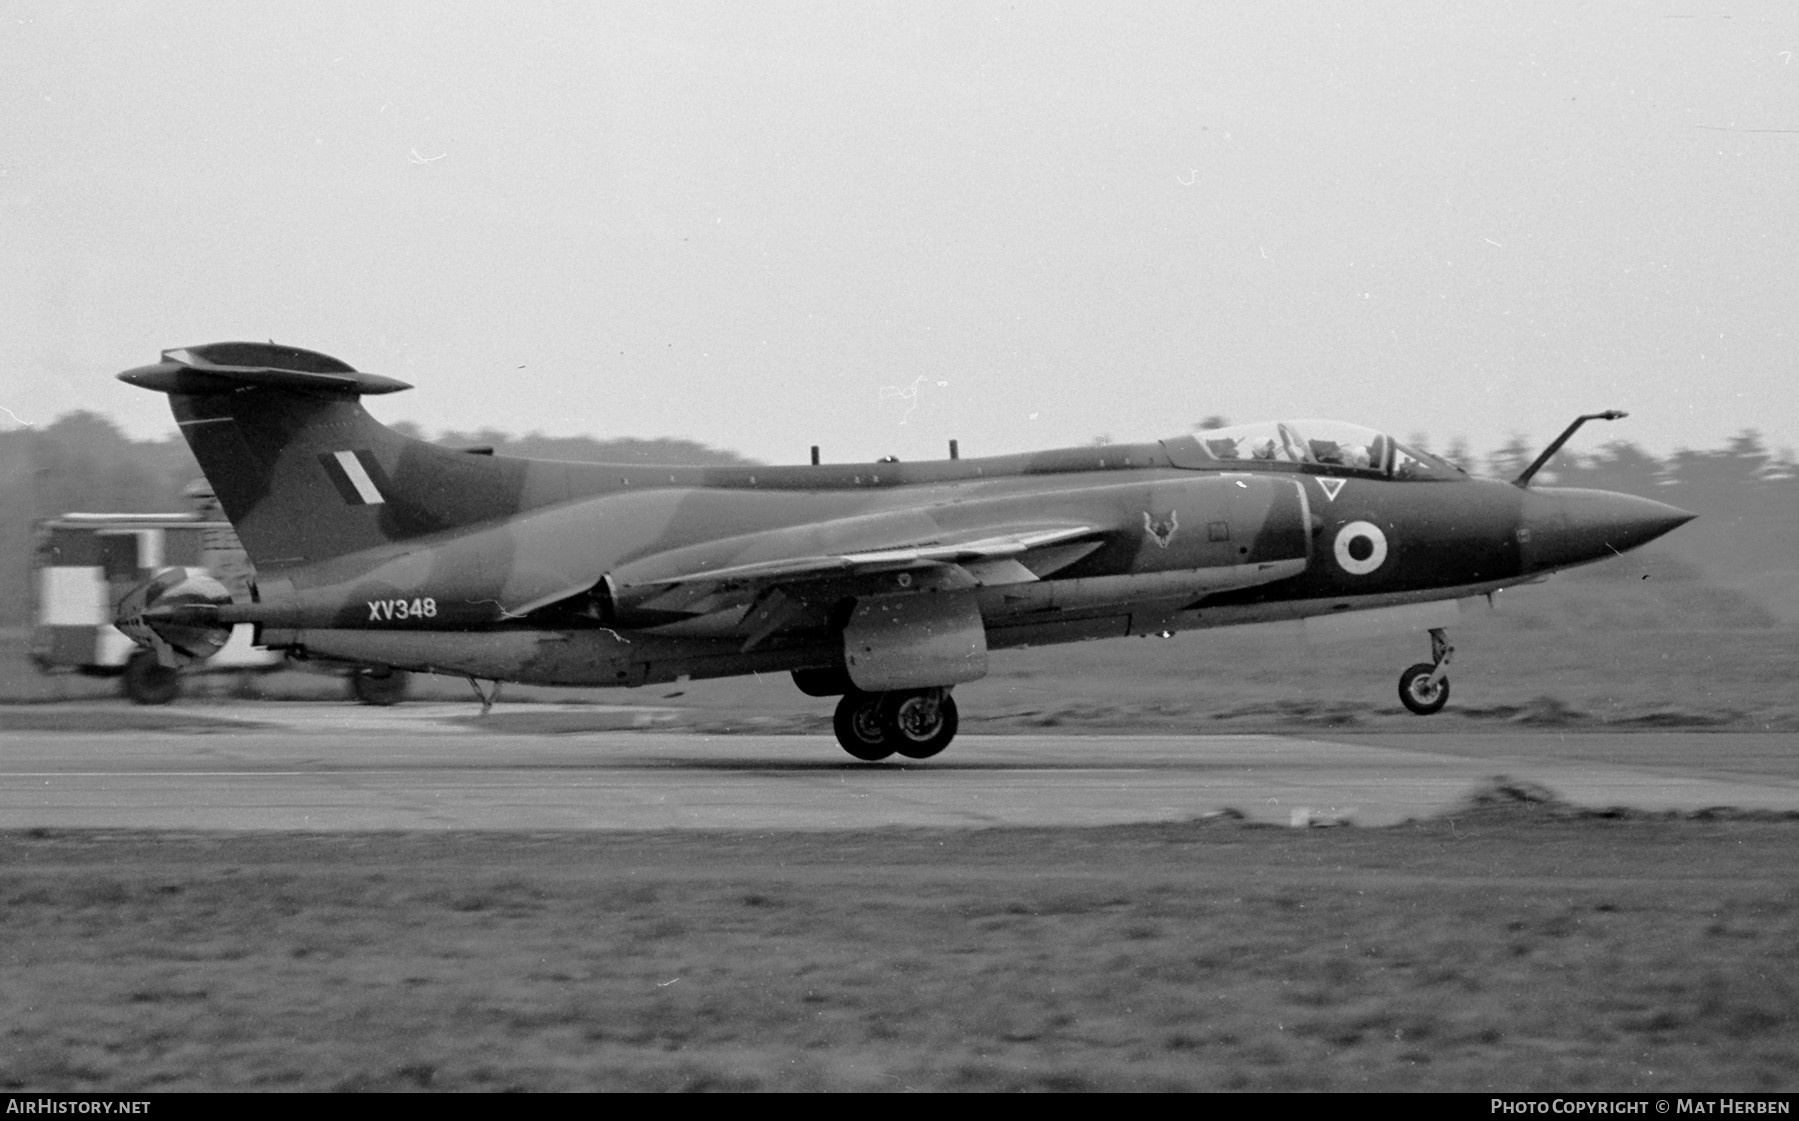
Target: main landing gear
1424,688
916,723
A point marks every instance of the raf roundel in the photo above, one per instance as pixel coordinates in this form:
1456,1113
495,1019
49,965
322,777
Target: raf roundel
1361,548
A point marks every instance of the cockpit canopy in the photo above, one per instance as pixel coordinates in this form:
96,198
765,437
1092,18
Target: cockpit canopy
1325,443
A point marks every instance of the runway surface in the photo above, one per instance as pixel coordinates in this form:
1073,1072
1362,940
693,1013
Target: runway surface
319,767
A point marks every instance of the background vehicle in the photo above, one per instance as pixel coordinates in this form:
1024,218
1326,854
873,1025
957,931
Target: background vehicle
84,563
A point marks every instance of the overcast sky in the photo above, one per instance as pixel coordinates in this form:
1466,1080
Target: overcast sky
875,227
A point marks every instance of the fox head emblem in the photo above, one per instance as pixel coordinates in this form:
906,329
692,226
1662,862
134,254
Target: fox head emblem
1162,530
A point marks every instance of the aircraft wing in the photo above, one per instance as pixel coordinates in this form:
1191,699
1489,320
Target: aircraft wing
883,560
989,555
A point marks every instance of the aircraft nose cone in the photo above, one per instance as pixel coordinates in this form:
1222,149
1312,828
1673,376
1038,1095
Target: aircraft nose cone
1567,526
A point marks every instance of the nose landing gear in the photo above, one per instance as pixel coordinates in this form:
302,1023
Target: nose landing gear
915,723
1424,688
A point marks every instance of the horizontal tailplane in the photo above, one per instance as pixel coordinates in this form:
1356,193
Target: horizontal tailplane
223,367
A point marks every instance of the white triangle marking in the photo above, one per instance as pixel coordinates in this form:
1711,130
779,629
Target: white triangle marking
1330,487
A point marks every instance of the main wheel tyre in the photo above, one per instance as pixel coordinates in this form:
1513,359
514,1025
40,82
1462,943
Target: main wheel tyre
372,687
860,728
1417,693
148,682
920,723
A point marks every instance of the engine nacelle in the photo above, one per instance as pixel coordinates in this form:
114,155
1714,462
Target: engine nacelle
175,615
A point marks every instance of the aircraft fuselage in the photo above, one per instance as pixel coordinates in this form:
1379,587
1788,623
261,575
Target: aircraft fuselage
885,582
1182,548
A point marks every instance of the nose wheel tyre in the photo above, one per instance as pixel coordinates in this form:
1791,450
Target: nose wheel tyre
920,724
860,728
1418,693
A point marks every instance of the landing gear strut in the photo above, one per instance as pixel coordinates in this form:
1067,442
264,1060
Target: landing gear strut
486,699
916,723
1424,688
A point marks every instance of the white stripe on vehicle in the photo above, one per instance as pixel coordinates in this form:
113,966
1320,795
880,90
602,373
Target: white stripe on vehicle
72,596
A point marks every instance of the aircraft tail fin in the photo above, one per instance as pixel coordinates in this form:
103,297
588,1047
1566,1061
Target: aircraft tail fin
302,470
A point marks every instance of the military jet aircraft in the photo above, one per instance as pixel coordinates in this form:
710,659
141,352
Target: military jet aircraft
884,583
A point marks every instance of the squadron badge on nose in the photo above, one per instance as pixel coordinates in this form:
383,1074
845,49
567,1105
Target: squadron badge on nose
1161,529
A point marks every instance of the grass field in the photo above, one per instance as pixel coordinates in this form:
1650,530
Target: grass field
1512,946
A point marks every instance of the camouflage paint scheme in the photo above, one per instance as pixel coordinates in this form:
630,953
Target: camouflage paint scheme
872,578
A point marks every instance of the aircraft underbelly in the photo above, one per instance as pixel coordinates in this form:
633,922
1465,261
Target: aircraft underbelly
586,657
1020,602
1346,615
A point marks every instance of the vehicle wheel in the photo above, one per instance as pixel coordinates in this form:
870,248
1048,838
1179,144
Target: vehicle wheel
148,682
860,728
373,687
921,723
1418,694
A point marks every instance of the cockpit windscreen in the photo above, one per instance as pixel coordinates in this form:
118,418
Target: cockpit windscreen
1329,443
